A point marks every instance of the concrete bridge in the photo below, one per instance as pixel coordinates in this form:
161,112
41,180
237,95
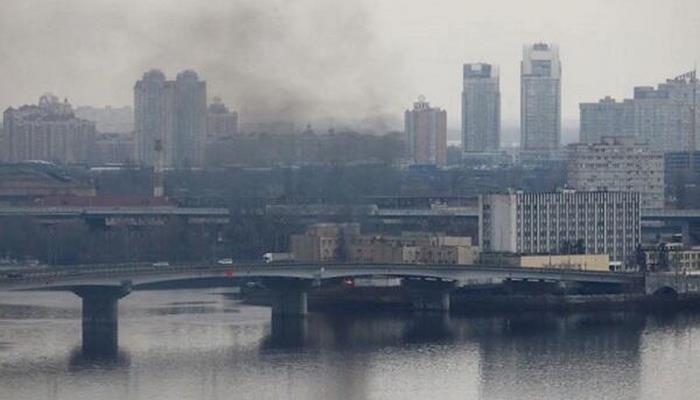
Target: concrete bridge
114,215
101,286
163,211
671,283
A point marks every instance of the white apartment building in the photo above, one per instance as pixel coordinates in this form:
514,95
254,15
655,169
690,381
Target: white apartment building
619,164
48,131
545,223
661,117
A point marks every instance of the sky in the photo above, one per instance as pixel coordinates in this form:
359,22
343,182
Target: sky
364,61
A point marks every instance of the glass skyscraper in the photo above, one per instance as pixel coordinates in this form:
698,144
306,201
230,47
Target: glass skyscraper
540,98
481,108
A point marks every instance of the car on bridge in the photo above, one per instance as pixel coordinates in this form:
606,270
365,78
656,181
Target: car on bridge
269,258
161,264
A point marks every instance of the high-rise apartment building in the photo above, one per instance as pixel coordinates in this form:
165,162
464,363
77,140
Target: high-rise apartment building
48,131
114,148
170,119
481,108
662,116
426,133
153,117
619,164
190,120
109,119
550,223
606,118
221,122
540,98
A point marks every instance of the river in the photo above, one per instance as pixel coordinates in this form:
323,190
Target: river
199,344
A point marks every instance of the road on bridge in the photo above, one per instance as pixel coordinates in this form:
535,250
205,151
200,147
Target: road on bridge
141,274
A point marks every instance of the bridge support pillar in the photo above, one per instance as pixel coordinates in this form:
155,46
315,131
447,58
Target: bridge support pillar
429,295
289,303
435,301
287,331
100,318
288,297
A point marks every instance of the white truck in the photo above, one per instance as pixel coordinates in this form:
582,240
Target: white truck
277,257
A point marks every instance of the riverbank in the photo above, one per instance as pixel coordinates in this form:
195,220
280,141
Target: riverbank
571,303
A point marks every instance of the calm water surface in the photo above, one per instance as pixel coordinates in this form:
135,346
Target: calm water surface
198,344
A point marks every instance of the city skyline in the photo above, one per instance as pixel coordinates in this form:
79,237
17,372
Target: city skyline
404,54
268,199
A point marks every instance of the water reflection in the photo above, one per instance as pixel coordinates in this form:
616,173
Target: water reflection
524,356
286,333
80,360
238,350
559,356
429,327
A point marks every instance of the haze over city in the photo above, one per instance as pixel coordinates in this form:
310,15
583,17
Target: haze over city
307,60
371,199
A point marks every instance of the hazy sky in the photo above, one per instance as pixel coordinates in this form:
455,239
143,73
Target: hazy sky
303,59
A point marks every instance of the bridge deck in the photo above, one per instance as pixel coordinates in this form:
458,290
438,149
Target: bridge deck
70,211
140,274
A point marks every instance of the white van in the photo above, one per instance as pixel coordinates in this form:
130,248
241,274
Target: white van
161,264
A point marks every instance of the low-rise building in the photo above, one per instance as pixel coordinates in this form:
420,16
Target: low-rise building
328,242
420,248
27,182
672,257
323,242
581,262
380,250
584,262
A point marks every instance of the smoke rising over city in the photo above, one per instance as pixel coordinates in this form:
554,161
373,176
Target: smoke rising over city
274,61
309,60
355,199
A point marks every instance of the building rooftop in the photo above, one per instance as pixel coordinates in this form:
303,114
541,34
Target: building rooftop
49,108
